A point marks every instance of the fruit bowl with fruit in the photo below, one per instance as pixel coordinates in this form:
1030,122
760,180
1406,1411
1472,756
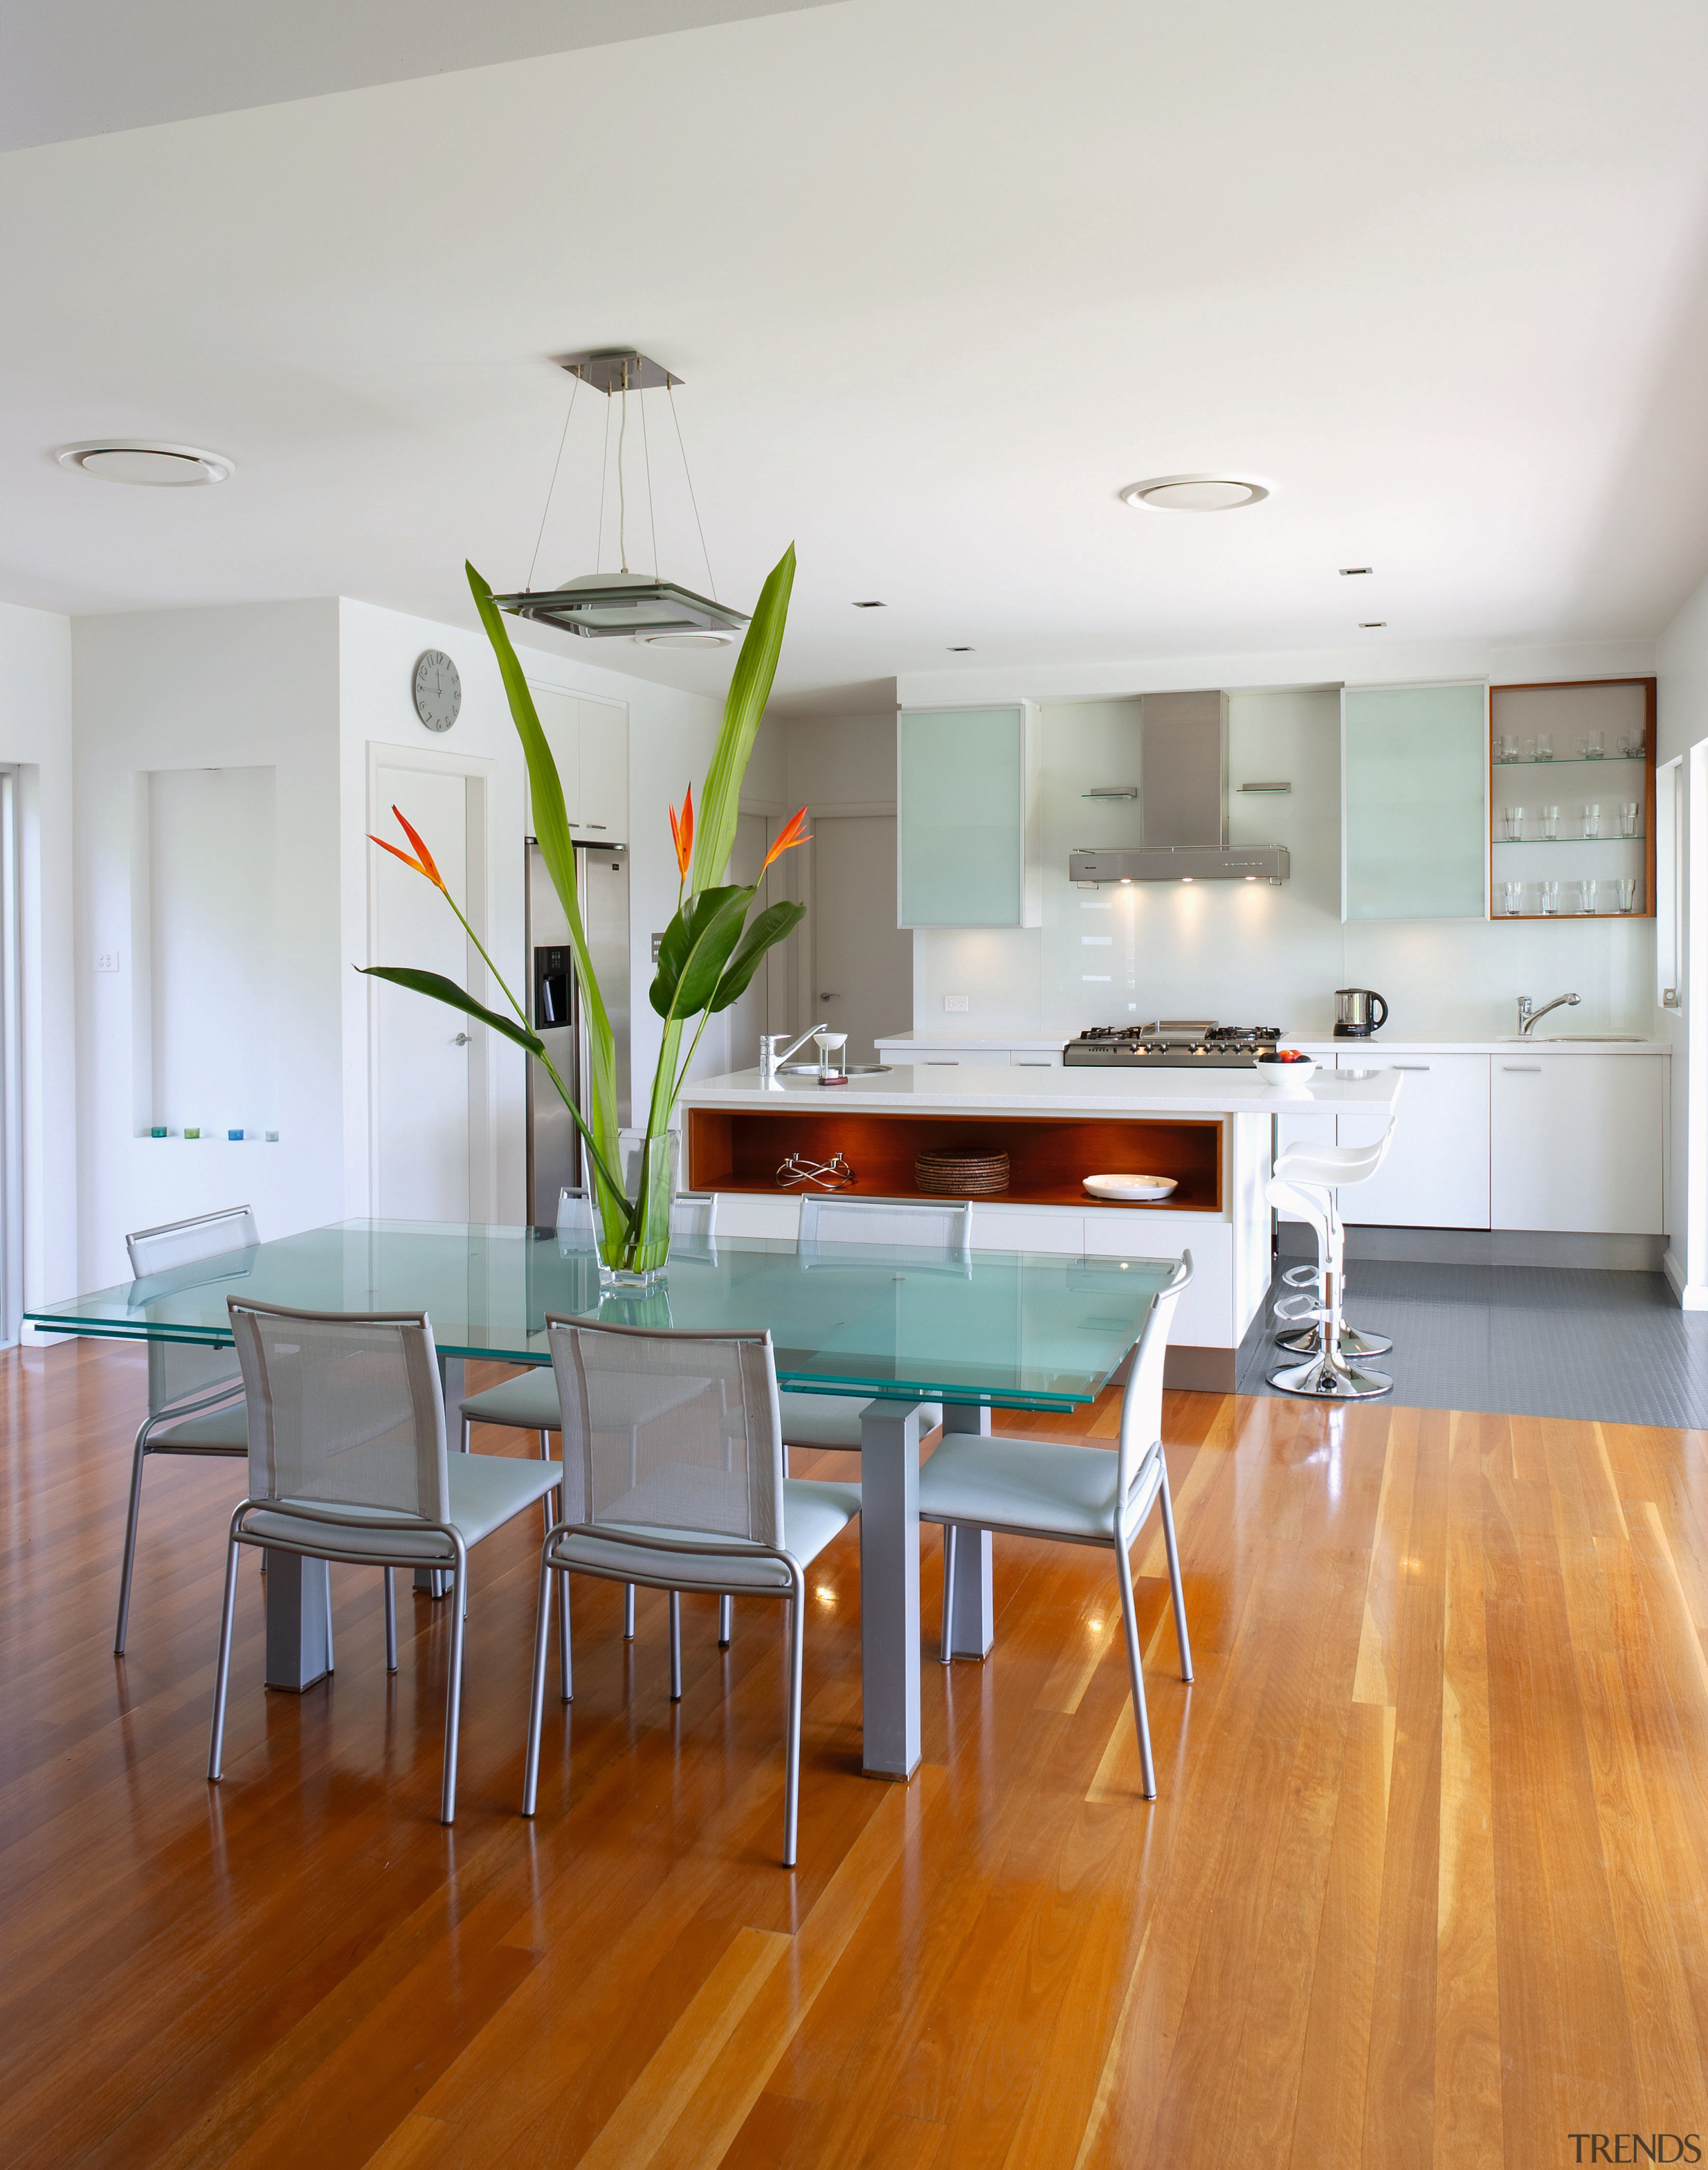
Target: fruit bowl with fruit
1285,1067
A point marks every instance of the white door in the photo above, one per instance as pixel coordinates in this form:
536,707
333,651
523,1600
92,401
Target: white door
1575,1142
751,1013
863,962
421,1050
1436,1173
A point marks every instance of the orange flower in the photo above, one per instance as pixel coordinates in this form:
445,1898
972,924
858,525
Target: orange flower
422,863
682,832
787,837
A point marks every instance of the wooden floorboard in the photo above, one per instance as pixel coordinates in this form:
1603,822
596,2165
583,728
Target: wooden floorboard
1423,1884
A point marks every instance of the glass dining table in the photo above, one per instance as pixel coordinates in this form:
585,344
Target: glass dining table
895,1328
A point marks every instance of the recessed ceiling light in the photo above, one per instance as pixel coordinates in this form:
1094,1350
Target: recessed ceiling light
960,651
1351,572
1371,624
687,637
873,605
154,466
1196,492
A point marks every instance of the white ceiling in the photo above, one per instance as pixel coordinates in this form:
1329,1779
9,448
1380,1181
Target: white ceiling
941,275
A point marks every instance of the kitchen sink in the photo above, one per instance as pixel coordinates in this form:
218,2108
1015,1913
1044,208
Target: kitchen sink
854,1070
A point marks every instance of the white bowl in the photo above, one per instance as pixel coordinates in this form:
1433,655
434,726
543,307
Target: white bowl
1285,1074
1138,1188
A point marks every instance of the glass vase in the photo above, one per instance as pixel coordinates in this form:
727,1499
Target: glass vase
633,1255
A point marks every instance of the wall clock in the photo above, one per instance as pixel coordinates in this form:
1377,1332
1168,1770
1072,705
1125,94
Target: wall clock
438,690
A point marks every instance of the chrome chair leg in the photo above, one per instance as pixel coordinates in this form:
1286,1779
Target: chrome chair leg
391,1620
795,1616
222,1670
726,1621
675,1646
467,1428
537,1692
453,1693
1176,1591
1123,1575
328,1615
946,1647
628,1612
131,1520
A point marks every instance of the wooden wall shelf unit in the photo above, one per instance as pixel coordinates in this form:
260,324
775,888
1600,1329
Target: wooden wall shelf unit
1568,709
1049,1155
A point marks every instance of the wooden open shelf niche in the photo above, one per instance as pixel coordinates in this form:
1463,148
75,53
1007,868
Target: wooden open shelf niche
1048,1155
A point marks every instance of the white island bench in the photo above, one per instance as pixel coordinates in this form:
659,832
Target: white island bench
1210,1131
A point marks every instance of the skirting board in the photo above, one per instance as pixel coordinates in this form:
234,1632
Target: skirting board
1200,1370
1486,1247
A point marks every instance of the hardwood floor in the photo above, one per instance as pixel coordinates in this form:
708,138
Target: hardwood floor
1424,1884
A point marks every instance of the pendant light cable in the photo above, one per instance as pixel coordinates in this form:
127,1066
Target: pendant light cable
621,495
647,455
693,500
603,472
574,386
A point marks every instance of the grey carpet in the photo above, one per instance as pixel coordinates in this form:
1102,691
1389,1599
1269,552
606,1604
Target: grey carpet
1540,1341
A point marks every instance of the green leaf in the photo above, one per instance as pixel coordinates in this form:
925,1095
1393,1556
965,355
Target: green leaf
448,992
696,947
771,927
749,689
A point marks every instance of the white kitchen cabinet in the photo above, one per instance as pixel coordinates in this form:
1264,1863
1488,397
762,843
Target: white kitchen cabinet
1577,1142
1030,1058
1437,1172
589,743
969,821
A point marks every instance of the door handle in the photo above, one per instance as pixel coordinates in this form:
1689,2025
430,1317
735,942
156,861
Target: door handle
461,1041
824,997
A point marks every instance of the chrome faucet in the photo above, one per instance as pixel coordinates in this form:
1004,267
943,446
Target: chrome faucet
772,1054
1527,1017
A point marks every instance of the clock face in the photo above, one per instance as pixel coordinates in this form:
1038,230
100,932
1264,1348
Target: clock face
438,691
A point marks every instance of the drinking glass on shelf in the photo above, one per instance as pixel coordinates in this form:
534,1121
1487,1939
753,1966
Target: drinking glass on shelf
1511,895
1550,821
1585,894
1627,893
1594,747
1506,747
1592,820
1527,749
1515,818
1628,818
1550,897
1545,745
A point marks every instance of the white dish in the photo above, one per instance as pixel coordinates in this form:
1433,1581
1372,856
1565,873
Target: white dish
1139,1187
1285,1074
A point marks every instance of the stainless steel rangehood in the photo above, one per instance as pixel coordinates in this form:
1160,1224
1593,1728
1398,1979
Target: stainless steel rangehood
1182,803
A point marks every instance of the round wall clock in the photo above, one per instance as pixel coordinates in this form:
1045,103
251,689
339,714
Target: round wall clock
438,690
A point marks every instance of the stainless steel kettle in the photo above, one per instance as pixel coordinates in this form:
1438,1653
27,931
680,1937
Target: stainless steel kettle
1363,1010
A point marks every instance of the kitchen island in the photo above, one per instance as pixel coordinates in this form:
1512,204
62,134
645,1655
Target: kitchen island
1211,1131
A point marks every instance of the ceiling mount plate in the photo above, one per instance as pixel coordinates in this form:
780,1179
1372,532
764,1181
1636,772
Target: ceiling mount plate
611,369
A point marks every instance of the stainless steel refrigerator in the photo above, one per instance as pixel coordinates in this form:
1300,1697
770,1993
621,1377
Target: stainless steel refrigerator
555,1155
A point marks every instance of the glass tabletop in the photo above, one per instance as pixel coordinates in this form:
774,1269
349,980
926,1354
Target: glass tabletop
1015,1329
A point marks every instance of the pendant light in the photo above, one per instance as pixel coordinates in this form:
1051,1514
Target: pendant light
626,605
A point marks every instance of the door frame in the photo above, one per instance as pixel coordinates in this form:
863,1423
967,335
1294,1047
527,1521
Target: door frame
11,1060
478,773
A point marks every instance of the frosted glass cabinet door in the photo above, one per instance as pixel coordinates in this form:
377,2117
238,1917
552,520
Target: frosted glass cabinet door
1414,787
967,818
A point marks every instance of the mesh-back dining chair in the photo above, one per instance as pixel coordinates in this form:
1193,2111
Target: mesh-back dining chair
529,1402
1082,1495
347,1462
674,1478
196,1403
944,1232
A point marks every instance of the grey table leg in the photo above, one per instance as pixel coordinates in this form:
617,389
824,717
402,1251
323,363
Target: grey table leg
433,1581
296,1652
973,1623
889,1646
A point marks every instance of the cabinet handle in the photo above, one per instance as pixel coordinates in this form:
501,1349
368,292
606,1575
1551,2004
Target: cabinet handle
1034,1066
1522,1069
939,1062
1409,1065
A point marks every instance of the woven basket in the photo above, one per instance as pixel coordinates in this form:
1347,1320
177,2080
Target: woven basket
961,1174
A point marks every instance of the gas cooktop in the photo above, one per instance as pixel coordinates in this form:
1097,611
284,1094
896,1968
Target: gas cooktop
1171,1043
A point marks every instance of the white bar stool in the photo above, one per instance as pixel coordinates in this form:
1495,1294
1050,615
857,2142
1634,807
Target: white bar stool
1332,1352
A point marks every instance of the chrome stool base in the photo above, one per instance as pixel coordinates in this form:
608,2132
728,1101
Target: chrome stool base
1307,1341
1324,1379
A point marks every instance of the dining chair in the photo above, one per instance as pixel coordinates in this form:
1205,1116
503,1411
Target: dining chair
833,1421
195,1393
673,1479
529,1402
347,1462
1079,1495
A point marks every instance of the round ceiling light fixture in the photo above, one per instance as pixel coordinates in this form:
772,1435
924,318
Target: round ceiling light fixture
150,466
1196,492
691,637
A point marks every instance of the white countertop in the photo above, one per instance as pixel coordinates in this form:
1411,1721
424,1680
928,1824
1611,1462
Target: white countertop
999,1089
893,1045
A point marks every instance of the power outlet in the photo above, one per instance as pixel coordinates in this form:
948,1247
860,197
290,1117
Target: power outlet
106,961
658,943
957,1003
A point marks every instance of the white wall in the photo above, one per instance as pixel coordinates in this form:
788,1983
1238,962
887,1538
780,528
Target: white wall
1251,953
244,686
35,732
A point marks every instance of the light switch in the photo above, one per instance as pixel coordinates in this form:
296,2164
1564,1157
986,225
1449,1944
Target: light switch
954,1001
106,961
